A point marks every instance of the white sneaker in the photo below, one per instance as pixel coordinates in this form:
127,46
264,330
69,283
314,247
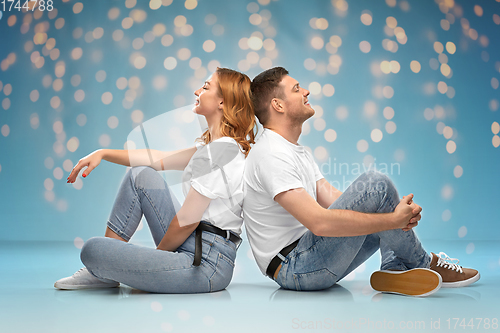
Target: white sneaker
83,280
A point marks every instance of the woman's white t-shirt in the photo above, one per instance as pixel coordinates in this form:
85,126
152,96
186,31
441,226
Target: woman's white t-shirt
216,172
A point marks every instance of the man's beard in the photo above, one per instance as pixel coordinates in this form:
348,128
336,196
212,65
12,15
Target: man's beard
300,117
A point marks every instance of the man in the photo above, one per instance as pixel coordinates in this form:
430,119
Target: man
307,235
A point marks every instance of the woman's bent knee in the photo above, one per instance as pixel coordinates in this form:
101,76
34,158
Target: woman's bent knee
91,251
147,178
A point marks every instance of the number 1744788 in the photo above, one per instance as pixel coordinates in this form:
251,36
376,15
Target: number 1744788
26,5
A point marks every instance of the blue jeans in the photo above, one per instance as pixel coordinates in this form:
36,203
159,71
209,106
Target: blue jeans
144,191
319,262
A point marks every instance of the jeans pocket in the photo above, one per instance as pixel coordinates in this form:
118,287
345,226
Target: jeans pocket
223,273
315,280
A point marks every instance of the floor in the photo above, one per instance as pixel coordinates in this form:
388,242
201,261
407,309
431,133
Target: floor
251,303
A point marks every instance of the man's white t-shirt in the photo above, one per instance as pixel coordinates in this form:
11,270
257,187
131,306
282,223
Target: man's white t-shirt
216,172
275,165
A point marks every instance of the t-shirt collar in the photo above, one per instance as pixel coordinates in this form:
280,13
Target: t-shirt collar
297,147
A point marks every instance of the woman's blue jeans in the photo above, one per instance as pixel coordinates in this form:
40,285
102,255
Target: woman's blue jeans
319,262
144,192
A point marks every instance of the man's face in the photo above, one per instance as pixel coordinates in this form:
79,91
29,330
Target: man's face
295,100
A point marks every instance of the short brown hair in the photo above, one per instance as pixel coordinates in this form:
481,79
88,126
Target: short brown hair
265,87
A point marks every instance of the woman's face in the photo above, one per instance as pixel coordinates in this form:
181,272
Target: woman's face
208,100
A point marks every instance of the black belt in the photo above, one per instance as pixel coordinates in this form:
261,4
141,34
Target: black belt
215,230
273,265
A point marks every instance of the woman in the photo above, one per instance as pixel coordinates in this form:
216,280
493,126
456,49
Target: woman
191,256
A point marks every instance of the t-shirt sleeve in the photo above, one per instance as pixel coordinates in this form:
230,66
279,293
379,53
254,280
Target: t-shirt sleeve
317,174
208,175
199,145
205,185
278,174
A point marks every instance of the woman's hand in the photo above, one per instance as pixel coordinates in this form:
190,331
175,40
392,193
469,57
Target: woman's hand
90,161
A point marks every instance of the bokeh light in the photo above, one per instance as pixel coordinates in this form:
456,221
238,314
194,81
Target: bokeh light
362,146
388,112
330,135
361,62
364,46
415,66
366,18
376,135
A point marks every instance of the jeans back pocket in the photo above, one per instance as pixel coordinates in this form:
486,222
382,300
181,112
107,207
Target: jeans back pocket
315,280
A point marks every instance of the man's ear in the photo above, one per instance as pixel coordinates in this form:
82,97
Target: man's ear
277,104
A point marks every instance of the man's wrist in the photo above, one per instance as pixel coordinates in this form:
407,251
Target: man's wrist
390,221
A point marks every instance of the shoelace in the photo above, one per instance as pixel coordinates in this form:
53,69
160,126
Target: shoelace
80,271
446,262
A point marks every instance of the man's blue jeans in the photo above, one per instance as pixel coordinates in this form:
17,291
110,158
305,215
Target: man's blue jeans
319,262
143,191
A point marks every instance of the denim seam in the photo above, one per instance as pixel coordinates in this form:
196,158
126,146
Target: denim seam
207,242
383,199
120,231
142,271
295,252
363,198
283,272
227,259
296,281
154,207
367,195
131,208
117,230
221,240
213,274
317,271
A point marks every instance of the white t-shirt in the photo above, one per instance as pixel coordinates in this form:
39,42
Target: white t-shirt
216,172
275,165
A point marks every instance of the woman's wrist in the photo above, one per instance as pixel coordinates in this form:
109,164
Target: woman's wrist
103,153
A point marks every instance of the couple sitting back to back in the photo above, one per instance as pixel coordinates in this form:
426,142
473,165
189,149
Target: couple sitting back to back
304,233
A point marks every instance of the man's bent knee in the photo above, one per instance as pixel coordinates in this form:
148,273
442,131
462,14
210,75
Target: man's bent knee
374,180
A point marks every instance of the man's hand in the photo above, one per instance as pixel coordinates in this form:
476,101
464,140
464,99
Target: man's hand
414,221
407,213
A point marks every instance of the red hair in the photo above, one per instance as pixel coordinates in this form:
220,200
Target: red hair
238,117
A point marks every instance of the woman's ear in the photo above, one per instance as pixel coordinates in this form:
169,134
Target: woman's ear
221,104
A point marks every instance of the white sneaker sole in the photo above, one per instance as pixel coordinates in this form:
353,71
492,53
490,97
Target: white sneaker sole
419,282
85,286
463,283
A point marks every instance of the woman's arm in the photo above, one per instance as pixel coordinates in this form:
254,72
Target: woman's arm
185,222
158,160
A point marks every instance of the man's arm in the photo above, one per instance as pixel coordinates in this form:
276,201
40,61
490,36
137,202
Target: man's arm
345,223
326,193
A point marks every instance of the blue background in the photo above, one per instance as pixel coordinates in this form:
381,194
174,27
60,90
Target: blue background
45,220
33,209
